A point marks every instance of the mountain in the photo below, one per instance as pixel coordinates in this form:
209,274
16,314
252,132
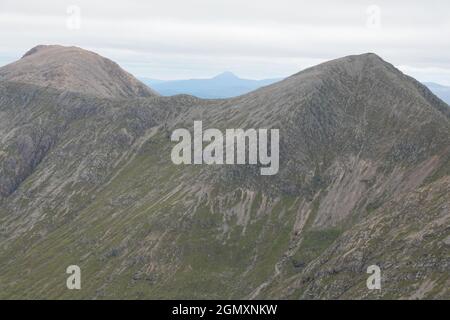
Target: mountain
439,90
228,85
364,180
74,69
224,85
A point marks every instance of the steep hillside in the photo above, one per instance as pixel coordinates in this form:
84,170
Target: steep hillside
364,179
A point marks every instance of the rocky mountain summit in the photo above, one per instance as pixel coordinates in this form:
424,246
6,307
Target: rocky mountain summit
86,179
74,69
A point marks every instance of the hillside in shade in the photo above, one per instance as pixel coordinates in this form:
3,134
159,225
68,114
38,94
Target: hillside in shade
87,179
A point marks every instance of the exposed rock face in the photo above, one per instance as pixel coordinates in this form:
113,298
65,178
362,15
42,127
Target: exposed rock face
364,179
74,69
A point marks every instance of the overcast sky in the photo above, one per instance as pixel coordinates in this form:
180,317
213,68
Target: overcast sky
173,39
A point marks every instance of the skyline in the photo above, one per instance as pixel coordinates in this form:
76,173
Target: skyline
177,40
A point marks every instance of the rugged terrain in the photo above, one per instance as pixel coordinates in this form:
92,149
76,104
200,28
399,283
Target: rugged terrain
87,179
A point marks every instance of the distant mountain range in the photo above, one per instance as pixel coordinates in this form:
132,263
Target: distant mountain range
439,90
224,85
227,85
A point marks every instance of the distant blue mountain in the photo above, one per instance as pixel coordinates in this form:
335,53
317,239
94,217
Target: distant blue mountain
227,85
439,90
224,85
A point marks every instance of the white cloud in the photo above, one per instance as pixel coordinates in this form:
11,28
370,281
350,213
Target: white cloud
438,75
254,38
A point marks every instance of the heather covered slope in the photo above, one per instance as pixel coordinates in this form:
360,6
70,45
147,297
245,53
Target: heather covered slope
364,178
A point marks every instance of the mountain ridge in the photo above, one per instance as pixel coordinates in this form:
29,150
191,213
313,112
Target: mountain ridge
200,87
364,153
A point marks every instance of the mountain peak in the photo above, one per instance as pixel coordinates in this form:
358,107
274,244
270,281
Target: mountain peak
43,47
352,64
360,59
74,69
227,75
